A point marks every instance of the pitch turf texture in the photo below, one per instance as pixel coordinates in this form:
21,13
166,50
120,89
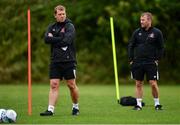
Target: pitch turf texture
98,105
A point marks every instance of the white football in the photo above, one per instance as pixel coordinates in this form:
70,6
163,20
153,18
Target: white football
2,113
3,116
11,115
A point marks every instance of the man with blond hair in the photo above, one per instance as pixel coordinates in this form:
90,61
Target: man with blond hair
61,37
145,50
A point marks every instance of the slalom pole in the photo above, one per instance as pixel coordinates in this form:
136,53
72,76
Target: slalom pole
114,59
29,63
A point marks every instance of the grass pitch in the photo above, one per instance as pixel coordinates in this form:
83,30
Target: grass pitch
98,105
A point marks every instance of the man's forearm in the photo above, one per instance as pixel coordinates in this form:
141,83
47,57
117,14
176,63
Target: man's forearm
49,38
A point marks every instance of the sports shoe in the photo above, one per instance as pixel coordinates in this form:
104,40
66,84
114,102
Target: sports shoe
75,111
46,113
137,107
158,107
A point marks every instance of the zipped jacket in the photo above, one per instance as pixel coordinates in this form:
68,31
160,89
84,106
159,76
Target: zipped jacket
62,43
146,45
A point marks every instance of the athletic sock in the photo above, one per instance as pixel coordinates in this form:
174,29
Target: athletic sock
139,102
51,108
156,101
76,106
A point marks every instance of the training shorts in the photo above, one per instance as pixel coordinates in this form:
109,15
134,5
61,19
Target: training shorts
139,70
62,70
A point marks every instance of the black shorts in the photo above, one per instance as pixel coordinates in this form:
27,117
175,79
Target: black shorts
62,70
139,70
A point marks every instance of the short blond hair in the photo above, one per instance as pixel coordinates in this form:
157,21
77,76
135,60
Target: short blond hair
59,7
148,14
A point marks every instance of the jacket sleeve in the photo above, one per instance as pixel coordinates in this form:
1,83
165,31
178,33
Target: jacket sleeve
52,40
131,46
160,46
68,36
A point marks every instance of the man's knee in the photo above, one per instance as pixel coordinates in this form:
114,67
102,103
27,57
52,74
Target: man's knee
54,84
153,83
139,84
71,84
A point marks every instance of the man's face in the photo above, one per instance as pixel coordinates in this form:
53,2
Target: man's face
60,16
145,22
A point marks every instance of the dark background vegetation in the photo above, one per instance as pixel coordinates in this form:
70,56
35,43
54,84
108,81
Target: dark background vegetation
93,42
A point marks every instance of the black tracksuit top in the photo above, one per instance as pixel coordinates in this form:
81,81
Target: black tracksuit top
146,45
62,43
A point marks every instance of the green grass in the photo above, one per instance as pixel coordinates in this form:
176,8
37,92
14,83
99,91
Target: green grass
98,105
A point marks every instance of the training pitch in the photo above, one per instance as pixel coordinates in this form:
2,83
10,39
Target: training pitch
98,105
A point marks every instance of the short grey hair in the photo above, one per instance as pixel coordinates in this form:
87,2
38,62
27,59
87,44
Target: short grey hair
148,14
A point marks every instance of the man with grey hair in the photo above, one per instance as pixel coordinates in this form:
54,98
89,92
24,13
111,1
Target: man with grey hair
145,50
61,37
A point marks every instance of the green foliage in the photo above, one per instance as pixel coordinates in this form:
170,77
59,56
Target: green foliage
93,43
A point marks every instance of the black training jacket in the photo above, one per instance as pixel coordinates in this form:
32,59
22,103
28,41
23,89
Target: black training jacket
62,44
146,45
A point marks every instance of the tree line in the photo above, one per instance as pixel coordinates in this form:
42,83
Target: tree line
93,38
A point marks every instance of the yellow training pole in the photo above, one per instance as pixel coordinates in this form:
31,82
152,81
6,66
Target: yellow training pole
114,58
